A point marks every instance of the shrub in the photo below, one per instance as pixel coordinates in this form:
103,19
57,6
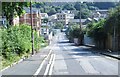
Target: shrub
73,32
16,41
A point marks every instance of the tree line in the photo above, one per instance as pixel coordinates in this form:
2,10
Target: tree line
13,9
100,31
52,8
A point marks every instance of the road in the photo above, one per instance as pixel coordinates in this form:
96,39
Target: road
66,59
80,60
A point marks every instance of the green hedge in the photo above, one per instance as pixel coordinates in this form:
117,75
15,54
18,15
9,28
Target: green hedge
73,32
16,42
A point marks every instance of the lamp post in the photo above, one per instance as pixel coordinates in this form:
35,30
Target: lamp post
32,35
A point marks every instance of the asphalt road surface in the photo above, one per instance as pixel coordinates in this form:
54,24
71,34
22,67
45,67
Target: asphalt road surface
68,59
80,60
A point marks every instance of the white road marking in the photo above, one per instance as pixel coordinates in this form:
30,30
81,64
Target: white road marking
41,65
48,65
51,68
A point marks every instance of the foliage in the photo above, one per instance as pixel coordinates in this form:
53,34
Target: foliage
73,31
58,26
52,9
77,6
104,5
45,20
68,6
11,9
113,21
84,14
16,41
100,30
96,30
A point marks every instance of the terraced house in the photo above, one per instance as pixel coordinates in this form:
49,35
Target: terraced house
64,17
26,18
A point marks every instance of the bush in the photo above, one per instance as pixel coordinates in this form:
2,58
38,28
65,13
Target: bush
73,32
16,41
59,26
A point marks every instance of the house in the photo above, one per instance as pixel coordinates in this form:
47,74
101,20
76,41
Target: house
45,27
52,17
26,18
64,17
77,21
44,24
100,14
44,15
96,19
3,21
88,20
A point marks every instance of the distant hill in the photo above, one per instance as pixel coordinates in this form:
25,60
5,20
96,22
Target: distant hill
57,3
104,5
100,5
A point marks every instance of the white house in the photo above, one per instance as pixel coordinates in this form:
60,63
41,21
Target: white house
45,27
3,21
44,15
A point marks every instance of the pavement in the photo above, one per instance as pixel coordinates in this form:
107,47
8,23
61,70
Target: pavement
109,53
28,66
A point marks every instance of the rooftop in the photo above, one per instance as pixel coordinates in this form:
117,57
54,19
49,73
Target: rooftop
44,15
34,10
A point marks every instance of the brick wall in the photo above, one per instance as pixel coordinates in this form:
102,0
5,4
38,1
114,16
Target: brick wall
26,18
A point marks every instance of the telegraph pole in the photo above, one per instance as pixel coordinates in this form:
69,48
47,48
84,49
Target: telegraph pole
32,35
81,38
80,17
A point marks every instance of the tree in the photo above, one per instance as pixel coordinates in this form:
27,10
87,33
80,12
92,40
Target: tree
74,31
113,20
68,7
112,26
58,26
104,5
12,9
58,9
97,32
39,5
77,6
84,14
52,11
